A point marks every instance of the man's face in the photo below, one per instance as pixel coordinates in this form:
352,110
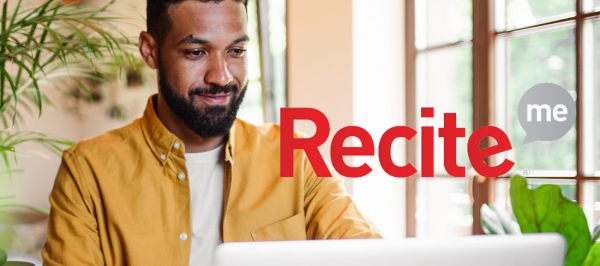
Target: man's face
202,65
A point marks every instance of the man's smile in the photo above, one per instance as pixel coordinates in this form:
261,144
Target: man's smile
219,98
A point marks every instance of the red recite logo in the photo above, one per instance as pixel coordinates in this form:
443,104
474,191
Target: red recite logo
449,133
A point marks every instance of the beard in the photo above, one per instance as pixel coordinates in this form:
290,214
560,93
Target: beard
207,121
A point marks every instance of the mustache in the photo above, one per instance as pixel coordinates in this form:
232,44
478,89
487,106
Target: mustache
214,90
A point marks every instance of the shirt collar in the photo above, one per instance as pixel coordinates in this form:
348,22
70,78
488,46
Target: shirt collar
163,143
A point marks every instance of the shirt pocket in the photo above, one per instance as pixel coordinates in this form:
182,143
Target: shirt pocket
293,228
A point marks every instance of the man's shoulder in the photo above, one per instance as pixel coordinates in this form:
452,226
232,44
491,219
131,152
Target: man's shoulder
119,138
267,131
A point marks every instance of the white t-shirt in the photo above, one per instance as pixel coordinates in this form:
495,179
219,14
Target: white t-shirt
206,173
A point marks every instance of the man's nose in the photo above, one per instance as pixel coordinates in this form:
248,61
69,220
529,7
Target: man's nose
218,72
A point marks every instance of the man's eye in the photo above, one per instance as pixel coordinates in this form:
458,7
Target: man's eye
238,52
194,54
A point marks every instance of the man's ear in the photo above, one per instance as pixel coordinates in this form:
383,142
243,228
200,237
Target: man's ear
148,49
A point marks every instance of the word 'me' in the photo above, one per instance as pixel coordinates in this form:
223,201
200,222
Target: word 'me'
546,112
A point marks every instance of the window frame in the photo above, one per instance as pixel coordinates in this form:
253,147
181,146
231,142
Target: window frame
483,69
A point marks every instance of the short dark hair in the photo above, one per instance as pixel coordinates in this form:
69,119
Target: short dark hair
158,21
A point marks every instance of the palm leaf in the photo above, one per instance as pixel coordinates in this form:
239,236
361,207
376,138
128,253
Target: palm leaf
36,209
51,46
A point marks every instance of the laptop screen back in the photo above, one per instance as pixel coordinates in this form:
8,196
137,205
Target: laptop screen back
513,250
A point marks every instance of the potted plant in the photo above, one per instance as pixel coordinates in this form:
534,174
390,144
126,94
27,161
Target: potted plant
51,46
545,209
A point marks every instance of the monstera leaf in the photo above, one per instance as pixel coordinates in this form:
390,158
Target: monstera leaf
521,198
544,209
593,256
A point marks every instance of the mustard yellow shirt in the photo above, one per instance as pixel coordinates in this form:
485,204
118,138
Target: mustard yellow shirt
123,198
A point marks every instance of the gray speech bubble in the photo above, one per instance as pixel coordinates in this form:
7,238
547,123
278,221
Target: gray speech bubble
546,112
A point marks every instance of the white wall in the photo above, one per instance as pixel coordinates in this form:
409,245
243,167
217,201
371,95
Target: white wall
320,61
378,104
346,59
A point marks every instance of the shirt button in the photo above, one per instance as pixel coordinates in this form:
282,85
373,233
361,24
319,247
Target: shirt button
176,145
183,236
181,176
163,156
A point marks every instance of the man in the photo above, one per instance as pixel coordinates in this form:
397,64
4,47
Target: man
187,176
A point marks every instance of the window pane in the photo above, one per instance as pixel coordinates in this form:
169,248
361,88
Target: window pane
596,5
447,87
534,59
591,112
443,207
590,98
251,109
278,44
442,21
521,13
591,203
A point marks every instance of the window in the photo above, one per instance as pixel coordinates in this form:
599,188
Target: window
540,41
476,59
266,62
443,31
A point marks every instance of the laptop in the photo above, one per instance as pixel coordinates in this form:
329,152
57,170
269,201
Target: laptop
547,249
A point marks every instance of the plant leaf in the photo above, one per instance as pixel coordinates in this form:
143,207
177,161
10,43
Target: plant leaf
4,19
510,226
551,212
36,209
58,42
558,214
596,233
12,85
490,222
34,81
15,13
521,198
593,257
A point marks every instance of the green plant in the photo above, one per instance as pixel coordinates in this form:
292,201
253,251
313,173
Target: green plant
3,256
50,46
545,209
